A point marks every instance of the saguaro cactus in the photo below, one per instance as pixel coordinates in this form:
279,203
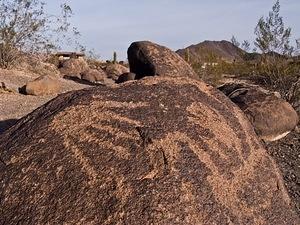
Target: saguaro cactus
187,55
115,58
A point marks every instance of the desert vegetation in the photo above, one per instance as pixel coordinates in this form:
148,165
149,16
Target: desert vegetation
27,29
273,62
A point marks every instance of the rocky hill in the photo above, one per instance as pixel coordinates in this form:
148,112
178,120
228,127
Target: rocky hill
211,50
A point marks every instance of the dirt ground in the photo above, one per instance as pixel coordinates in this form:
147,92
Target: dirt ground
13,105
286,153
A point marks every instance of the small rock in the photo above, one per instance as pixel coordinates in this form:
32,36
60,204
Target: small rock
73,68
114,70
93,75
43,85
125,77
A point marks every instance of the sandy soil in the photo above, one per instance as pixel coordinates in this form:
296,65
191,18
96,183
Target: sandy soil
13,105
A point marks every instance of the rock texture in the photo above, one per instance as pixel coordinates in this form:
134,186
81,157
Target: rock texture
125,77
43,85
93,75
73,67
150,59
114,70
4,89
286,152
272,117
155,151
293,95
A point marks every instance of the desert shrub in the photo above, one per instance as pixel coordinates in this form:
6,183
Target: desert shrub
209,72
25,27
38,64
273,40
53,59
95,63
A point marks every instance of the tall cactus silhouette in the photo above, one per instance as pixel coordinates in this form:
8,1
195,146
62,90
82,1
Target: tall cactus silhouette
187,55
115,57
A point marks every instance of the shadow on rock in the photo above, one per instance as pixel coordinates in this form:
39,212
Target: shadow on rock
6,124
80,81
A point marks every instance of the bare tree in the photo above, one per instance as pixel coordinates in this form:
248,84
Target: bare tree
246,45
297,50
272,36
234,41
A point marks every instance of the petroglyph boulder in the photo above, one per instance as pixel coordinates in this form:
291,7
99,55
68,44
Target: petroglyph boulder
272,117
150,59
154,151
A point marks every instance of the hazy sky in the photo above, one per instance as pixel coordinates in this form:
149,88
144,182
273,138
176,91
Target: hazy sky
111,25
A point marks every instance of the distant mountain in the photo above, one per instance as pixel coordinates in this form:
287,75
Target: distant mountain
212,50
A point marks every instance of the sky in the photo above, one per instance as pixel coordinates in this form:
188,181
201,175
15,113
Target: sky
112,25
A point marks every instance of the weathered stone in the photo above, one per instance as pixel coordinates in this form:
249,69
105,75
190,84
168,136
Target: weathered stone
293,95
4,89
272,117
114,70
73,67
125,77
43,85
47,69
156,151
150,59
93,75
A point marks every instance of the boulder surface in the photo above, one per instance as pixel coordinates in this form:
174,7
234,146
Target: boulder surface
154,151
114,70
149,59
125,77
43,85
73,68
272,117
93,75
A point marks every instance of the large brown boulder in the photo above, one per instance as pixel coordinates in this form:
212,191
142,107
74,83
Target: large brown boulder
43,85
114,70
272,117
93,75
155,151
73,67
150,59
